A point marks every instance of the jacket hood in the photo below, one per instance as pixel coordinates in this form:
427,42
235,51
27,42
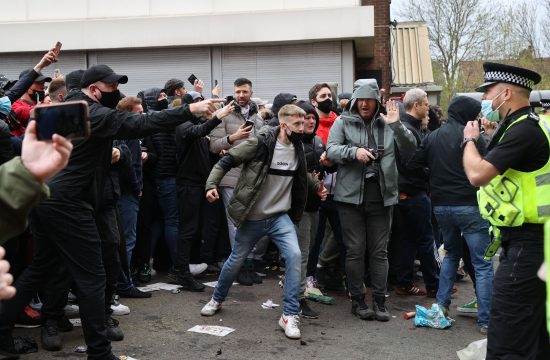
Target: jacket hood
309,109
281,100
150,99
364,89
463,109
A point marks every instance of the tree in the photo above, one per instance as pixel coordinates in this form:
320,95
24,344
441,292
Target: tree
458,31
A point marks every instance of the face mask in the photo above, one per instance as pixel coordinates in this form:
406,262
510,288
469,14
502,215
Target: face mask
294,137
325,105
162,104
487,109
38,96
109,99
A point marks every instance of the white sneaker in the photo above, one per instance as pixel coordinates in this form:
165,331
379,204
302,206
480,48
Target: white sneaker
290,323
211,308
119,309
197,269
71,310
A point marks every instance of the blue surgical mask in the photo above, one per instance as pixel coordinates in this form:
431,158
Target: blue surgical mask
487,109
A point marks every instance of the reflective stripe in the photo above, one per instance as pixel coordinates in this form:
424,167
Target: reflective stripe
543,179
543,210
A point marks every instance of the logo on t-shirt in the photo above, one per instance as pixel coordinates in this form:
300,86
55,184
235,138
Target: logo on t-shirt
282,163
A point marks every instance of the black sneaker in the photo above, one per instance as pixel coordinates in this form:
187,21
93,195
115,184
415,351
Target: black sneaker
172,276
380,311
307,312
64,324
144,273
212,269
114,332
188,282
360,308
244,277
256,279
50,338
28,318
133,293
16,345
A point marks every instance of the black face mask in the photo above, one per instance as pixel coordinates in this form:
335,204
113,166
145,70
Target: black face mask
162,104
325,105
38,95
294,137
109,99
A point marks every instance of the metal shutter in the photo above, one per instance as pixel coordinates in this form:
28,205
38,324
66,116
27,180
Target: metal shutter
147,68
12,64
291,68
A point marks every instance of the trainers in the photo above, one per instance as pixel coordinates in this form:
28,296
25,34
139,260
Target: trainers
255,277
188,282
360,308
172,276
71,310
114,332
469,308
380,311
144,273
17,345
244,277
412,290
134,293
212,269
50,338
36,303
118,308
211,308
29,318
483,330
290,324
64,324
306,311
197,269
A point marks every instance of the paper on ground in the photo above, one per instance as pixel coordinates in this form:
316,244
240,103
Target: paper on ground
212,330
213,284
269,304
159,286
477,350
76,322
126,357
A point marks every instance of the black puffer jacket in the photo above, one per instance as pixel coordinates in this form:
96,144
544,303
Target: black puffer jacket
411,181
164,142
6,148
441,151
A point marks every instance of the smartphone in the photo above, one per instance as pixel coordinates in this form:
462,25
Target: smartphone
57,48
248,123
69,119
228,99
192,79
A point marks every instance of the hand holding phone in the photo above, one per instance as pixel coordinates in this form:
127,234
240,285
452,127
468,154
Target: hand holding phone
68,119
192,78
249,124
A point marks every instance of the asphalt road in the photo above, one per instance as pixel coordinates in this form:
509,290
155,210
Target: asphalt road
157,329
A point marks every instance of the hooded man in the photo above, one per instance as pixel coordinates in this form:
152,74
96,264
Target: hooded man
455,204
363,141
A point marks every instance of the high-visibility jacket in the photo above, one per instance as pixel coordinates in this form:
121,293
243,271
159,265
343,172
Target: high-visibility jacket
547,261
515,197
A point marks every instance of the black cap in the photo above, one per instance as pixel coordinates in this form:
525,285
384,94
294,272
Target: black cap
498,73
345,95
40,78
101,73
73,79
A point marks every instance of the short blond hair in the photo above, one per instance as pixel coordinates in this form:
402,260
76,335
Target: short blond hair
290,110
127,104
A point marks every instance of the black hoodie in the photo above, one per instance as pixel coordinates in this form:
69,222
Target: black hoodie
280,100
441,151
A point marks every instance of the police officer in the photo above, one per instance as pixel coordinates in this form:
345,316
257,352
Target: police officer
515,197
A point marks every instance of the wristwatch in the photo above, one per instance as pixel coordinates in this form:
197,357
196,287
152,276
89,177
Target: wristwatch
467,140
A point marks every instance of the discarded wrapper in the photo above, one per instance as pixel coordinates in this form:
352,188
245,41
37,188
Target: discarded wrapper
159,286
269,304
80,349
213,284
126,357
76,322
433,317
477,350
212,330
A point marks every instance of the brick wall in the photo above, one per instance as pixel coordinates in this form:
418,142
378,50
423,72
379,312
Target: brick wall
379,64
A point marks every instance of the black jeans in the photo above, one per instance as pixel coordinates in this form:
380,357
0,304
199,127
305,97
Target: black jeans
327,211
109,233
417,240
366,227
66,233
517,326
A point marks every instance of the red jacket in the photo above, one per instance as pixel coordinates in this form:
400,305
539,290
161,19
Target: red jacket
325,123
23,112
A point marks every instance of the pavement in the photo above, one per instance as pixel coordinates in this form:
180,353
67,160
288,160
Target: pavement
157,328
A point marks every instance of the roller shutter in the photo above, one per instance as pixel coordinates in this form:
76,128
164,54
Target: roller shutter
12,64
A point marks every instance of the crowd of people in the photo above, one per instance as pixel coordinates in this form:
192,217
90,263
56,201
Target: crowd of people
352,193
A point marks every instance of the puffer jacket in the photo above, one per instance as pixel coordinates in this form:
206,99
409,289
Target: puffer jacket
230,125
255,155
348,133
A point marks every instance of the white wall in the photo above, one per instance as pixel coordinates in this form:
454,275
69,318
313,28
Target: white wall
50,10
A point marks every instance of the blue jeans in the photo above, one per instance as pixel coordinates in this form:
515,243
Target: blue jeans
281,231
454,220
167,195
128,206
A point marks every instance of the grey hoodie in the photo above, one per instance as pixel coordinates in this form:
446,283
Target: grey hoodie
349,132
